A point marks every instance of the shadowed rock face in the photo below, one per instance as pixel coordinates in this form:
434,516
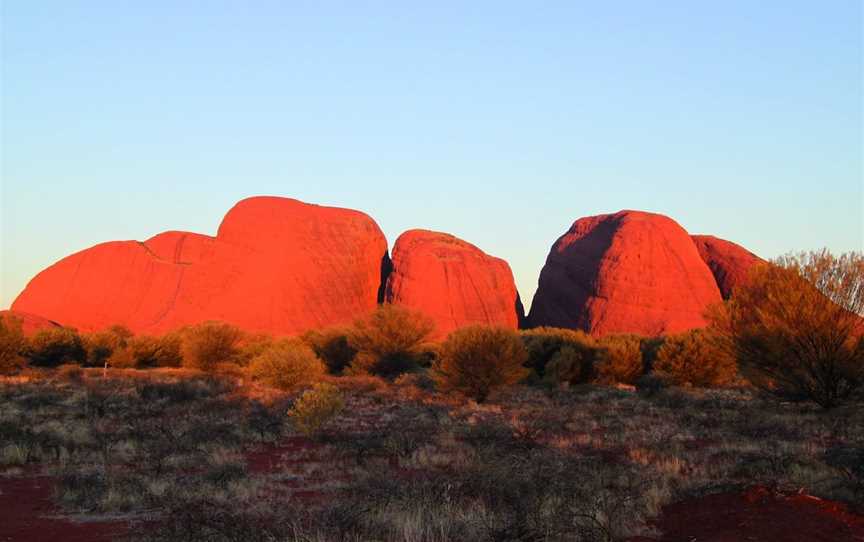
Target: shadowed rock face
453,281
628,272
730,263
30,323
277,265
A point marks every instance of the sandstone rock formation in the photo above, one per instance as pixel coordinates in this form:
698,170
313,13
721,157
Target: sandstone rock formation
277,265
628,272
453,281
30,323
729,262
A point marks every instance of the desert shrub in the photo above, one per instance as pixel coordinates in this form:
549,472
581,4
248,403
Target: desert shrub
12,343
103,344
695,359
545,343
53,347
146,351
572,364
205,345
619,359
252,346
333,347
287,364
390,341
795,326
315,407
477,359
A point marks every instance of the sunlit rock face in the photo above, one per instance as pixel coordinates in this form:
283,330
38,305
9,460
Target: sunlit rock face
31,324
628,272
730,263
276,265
453,281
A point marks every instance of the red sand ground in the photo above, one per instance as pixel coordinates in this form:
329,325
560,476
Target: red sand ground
28,513
759,515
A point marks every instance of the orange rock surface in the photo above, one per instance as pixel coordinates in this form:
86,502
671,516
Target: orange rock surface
277,265
628,272
30,323
729,262
453,281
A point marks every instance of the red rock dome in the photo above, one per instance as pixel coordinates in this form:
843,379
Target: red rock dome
628,272
453,281
277,265
30,323
730,263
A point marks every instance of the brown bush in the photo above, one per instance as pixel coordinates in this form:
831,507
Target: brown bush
287,364
103,344
205,345
12,344
476,359
333,347
390,341
795,326
544,345
252,346
696,359
56,346
619,359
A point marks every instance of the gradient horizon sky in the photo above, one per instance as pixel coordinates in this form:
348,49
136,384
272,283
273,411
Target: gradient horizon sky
499,122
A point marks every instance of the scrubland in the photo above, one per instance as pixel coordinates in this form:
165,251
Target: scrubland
371,432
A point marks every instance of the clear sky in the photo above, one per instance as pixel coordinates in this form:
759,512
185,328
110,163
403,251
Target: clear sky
500,122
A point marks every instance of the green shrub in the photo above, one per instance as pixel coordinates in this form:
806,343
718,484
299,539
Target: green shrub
544,345
315,408
207,344
572,364
477,359
287,364
695,359
619,359
57,346
333,347
12,344
252,346
390,341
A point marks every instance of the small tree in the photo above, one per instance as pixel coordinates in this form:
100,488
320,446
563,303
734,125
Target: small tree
475,360
619,359
56,346
390,341
795,326
333,347
695,358
287,364
12,343
205,345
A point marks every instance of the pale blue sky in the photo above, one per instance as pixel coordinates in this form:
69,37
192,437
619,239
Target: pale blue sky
500,122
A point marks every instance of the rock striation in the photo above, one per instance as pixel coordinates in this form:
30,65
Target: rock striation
453,281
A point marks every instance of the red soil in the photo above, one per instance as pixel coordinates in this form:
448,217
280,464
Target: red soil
759,515
27,513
